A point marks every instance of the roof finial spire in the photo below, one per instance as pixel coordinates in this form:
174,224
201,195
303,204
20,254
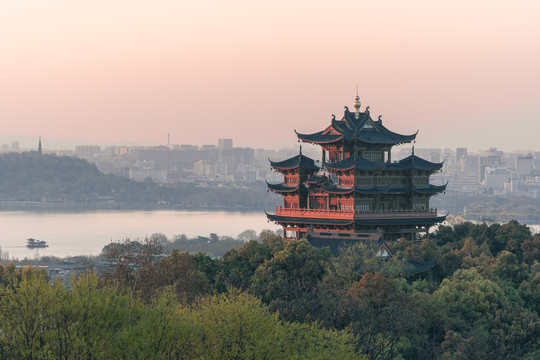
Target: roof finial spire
357,104
300,150
40,150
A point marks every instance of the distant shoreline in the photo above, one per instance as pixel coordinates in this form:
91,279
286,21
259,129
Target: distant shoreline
76,207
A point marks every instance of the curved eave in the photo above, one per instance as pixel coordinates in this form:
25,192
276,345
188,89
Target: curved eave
298,161
279,165
415,162
424,169
337,191
384,138
342,127
354,162
318,138
397,137
281,188
430,189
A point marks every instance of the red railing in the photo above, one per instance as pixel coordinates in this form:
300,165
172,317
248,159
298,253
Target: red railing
351,214
320,213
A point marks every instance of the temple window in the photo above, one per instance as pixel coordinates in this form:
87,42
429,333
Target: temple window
420,206
373,156
363,207
346,207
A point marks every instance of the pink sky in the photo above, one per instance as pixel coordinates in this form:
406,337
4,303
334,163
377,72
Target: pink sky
466,73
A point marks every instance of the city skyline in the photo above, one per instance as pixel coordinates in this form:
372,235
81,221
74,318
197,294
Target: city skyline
52,145
465,74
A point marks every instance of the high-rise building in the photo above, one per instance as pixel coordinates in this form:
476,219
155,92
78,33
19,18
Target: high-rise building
87,152
460,152
358,189
525,164
225,143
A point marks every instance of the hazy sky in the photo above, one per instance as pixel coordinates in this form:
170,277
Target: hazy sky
465,73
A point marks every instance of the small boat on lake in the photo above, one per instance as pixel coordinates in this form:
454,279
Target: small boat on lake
33,243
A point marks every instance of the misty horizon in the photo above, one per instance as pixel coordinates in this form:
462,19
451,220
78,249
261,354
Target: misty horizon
29,143
464,74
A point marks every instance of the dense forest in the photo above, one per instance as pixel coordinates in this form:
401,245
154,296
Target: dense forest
273,299
49,181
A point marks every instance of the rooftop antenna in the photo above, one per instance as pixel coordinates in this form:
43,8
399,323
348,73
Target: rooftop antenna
169,139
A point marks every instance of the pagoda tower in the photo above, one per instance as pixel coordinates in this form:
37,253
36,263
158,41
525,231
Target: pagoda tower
357,190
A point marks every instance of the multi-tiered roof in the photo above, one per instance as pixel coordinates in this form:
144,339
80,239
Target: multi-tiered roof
357,188
356,127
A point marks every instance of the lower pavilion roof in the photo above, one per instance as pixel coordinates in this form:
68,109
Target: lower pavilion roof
418,221
336,244
354,162
310,221
359,163
414,162
316,179
298,161
283,188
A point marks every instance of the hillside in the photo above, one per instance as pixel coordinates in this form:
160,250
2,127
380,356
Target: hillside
31,180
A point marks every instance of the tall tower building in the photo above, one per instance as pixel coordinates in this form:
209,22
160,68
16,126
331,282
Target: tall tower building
358,190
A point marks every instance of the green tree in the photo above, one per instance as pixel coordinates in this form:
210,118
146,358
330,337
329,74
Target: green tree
25,313
237,326
380,315
289,281
158,333
240,264
178,270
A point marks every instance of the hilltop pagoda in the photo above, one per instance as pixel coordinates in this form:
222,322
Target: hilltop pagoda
356,189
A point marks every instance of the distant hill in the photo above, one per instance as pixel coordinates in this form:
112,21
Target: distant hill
33,180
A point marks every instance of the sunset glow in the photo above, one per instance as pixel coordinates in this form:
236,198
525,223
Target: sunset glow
464,73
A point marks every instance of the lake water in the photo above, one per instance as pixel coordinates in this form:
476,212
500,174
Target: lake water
86,233
69,234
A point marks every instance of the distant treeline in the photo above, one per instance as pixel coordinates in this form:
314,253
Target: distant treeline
487,207
30,180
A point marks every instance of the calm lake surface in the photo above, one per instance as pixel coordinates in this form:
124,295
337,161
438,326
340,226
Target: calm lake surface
86,233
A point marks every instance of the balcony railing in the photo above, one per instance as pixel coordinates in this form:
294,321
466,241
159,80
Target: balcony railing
320,213
351,214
